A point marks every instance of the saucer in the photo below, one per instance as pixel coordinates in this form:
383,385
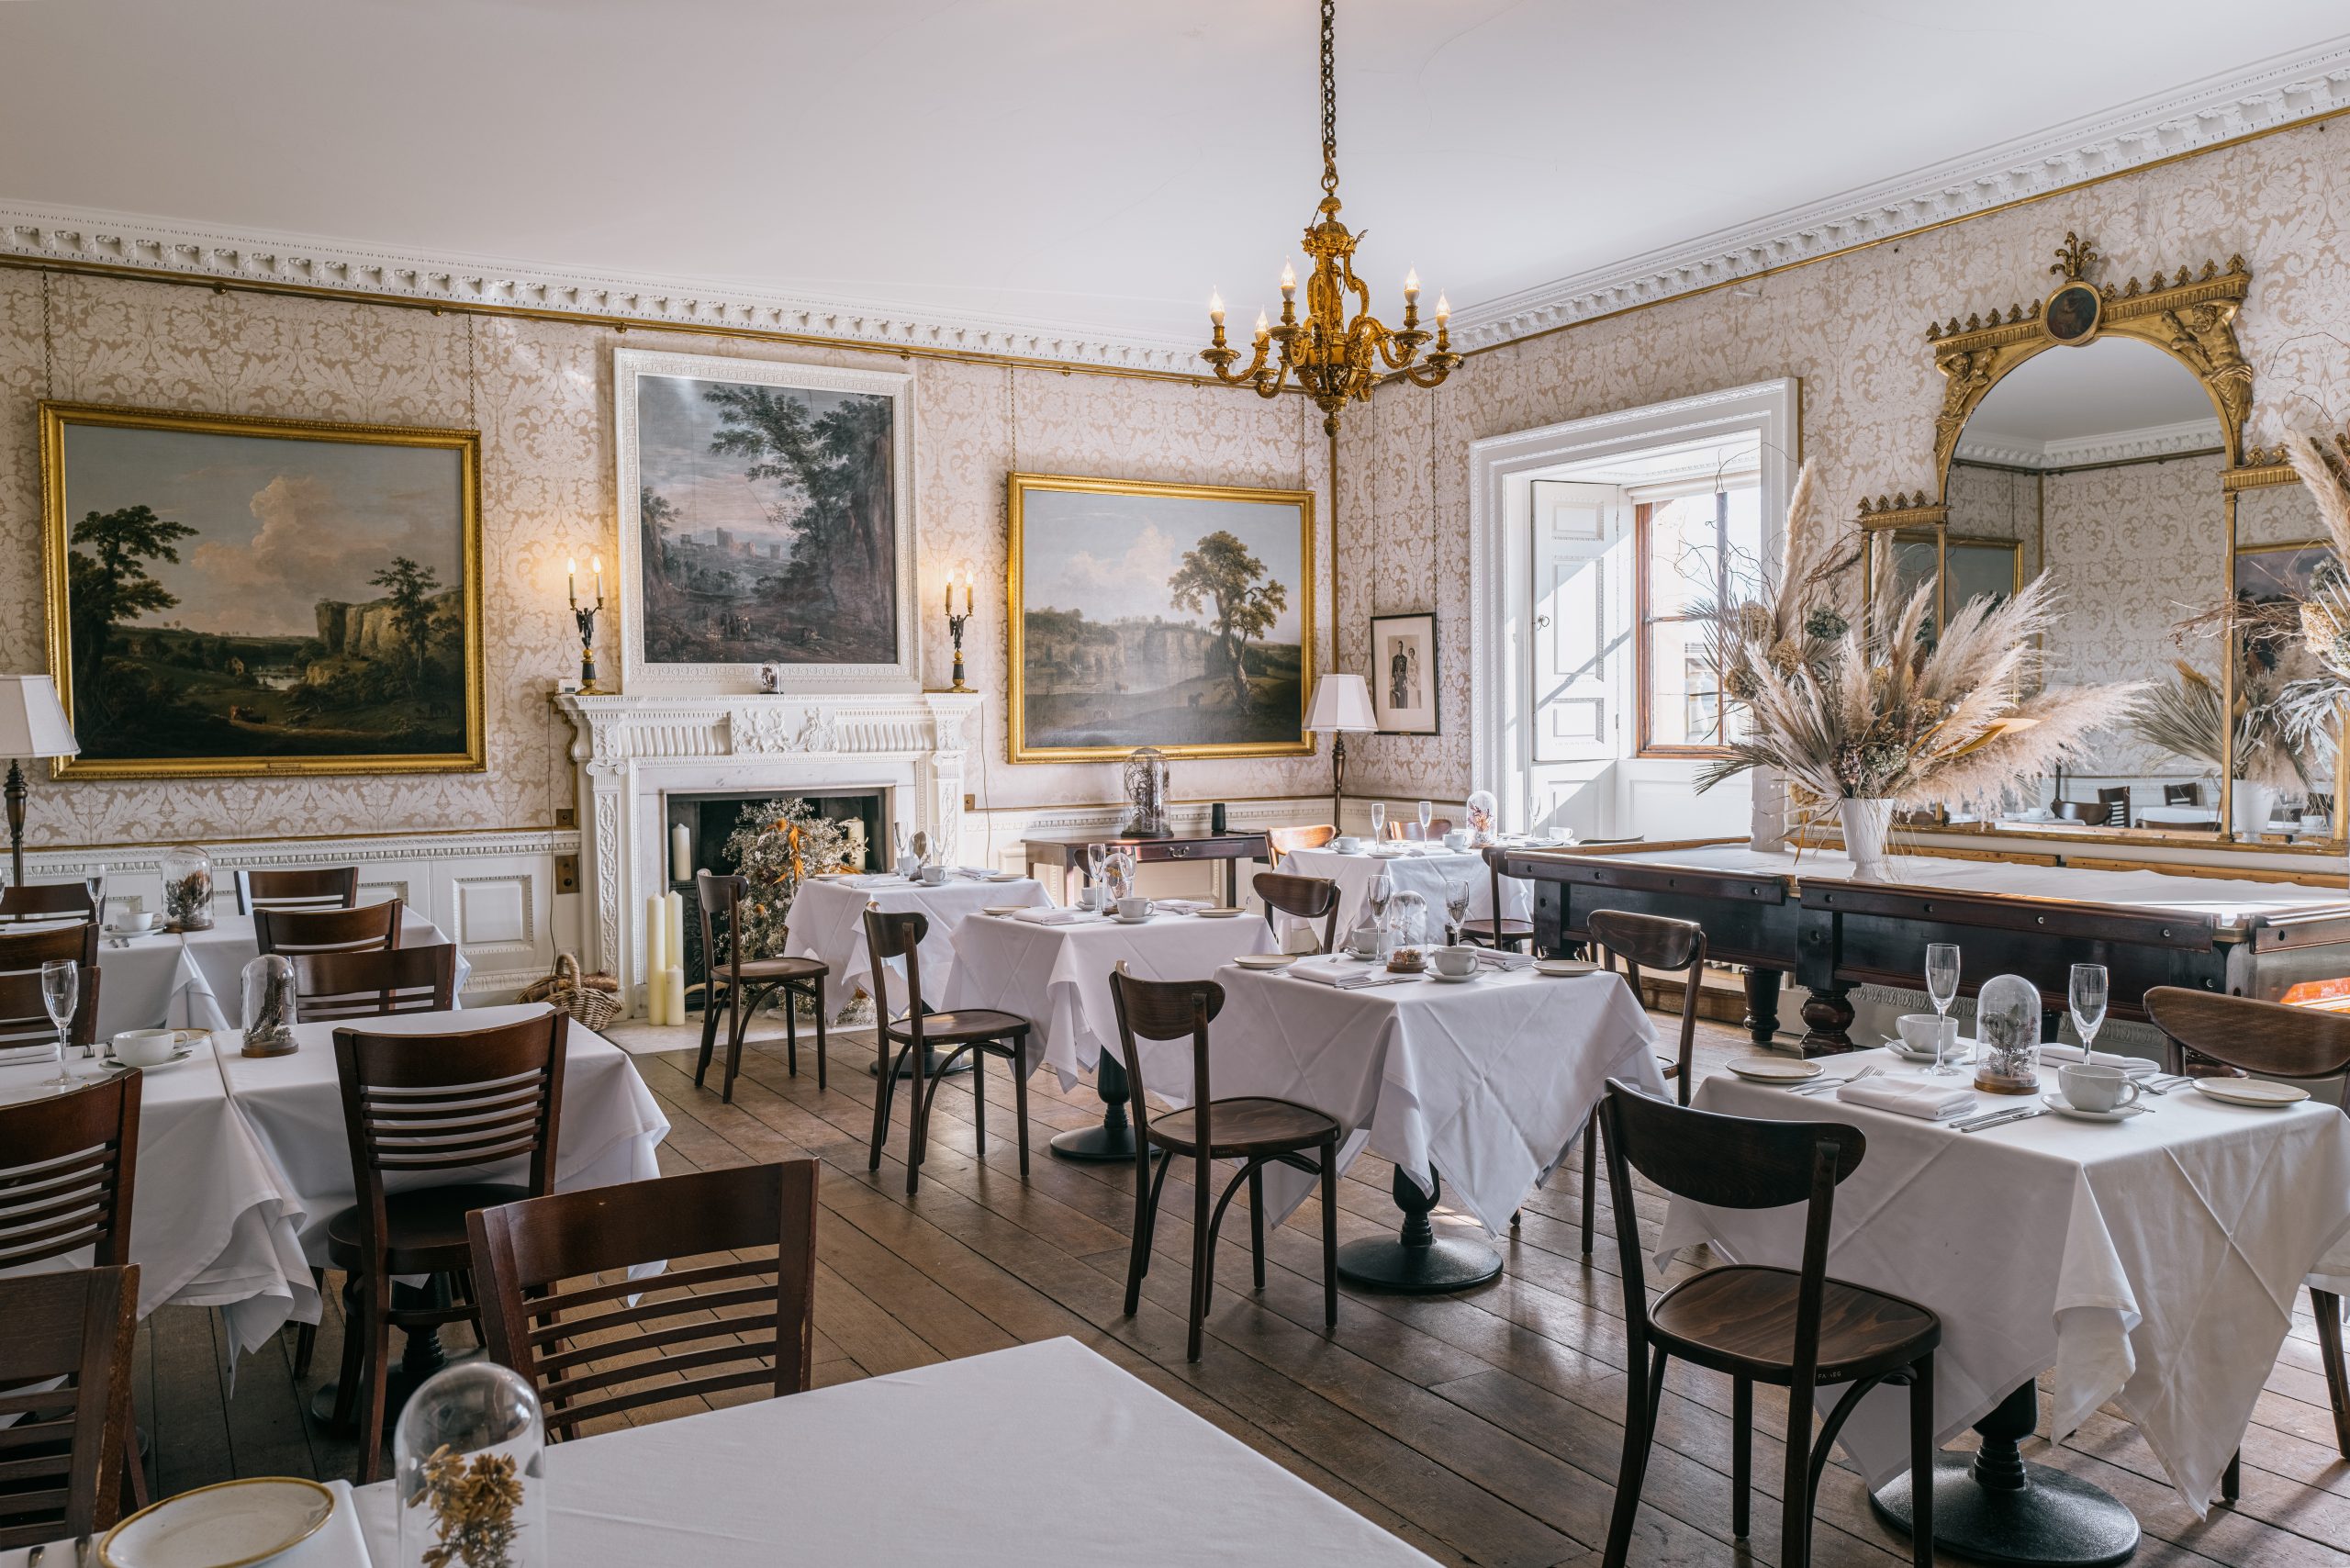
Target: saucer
231,1521
1220,912
1136,919
1002,908
2065,1107
1266,960
1775,1070
1564,967
1442,978
177,1057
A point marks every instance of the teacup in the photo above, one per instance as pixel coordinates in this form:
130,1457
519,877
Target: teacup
1455,841
1918,1029
2089,1087
1346,843
135,919
933,876
1453,960
1363,942
1133,907
909,866
145,1047
1090,896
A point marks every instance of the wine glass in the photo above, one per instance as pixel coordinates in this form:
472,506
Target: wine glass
1374,901
60,988
2087,994
1456,907
1378,821
1941,989
93,883
1427,814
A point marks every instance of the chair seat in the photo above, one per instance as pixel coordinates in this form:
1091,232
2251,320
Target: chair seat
1493,928
1742,1319
776,970
1243,1127
427,1226
962,1028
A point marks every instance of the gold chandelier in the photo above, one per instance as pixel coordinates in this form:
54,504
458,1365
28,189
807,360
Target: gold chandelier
1332,356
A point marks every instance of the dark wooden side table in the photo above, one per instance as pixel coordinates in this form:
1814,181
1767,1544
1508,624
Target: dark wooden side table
1067,853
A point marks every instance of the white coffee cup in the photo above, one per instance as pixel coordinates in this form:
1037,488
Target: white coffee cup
1134,906
933,876
1918,1030
1455,841
1090,896
1453,960
145,1047
135,919
2089,1087
1346,843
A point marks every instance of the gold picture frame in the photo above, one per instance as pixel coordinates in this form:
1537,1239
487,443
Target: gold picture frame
1072,722
297,686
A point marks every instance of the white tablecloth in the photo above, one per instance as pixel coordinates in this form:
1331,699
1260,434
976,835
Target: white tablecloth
222,953
818,1478
828,923
1058,977
610,1126
211,1222
153,982
2152,1261
1489,1081
1428,875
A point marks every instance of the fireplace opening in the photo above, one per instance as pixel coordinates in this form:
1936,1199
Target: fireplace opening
710,820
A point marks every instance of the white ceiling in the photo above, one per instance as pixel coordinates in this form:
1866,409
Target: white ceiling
1093,166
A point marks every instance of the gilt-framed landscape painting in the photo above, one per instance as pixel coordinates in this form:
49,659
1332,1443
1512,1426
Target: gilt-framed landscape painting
765,519
244,596
1403,674
1175,616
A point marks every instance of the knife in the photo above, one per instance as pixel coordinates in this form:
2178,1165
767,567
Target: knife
2001,1121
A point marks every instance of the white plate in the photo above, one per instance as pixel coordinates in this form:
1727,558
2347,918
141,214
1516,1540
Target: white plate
2251,1091
1220,914
1775,1070
1563,968
227,1525
1002,908
1266,960
1000,877
2065,1107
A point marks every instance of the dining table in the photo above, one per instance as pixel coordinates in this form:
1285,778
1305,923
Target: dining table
816,1477
1483,1085
2150,1259
1052,967
827,922
1427,869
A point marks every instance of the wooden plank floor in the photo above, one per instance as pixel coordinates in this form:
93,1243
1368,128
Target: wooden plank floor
1483,1428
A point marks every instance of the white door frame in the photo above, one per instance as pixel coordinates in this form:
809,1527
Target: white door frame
1501,469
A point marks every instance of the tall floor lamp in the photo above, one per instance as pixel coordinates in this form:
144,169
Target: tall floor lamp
1341,706
33,724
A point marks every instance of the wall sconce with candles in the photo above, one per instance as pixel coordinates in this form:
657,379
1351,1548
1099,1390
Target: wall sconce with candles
955,623
585,614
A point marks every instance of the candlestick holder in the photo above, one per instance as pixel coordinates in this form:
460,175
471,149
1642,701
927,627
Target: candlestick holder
586,615
955,624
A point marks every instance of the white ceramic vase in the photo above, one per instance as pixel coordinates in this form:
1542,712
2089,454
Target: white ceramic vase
2248,807
1867,825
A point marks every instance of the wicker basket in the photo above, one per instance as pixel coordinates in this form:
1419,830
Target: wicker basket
592,999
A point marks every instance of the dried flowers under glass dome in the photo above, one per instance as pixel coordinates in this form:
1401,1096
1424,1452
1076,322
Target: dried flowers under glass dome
187,888
1404,933
2006,1023
267,984
1481,811
1118,874
468,1459
1145,795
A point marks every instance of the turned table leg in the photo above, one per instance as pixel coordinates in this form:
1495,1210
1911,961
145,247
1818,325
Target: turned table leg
1827,1015
1763,1005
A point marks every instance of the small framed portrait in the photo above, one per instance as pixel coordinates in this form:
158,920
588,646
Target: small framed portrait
1403,674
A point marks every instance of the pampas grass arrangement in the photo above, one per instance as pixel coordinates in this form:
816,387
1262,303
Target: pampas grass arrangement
2182,716
2309,709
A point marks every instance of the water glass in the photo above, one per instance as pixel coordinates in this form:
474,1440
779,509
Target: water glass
60,988
1427,813
2086,995
1375,897
1378,821
1941,989
1094,855
1455,905
93,883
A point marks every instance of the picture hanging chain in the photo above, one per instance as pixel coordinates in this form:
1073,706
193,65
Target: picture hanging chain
48,341
473,379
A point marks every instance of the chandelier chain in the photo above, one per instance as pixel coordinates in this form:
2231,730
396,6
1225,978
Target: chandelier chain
1329,99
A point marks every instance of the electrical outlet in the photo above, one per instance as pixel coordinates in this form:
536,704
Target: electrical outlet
567,873
566,816
971,802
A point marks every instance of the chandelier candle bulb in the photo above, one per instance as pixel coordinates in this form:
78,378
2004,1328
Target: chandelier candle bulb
1412,286
1215,308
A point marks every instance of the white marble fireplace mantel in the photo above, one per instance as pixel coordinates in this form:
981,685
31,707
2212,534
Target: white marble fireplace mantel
634,751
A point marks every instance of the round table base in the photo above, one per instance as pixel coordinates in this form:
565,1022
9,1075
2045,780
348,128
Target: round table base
2057,1521
1100,1144
1446,1264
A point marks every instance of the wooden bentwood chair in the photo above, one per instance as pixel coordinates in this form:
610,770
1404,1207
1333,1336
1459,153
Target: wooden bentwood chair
746,983
1256,1131
1302,897
1284,839
581,1347
1663,946
2266,1039
369,928
414,1106
1796,1329
1497,932
46,900
309,886
905,1043
59,1455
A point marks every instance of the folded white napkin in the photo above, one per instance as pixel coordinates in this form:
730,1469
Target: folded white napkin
976,873
1049,914
18,1055
1184,906
2136,1066
877,879
1497,958
1344,976
1910,1097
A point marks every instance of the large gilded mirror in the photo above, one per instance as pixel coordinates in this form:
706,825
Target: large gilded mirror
2098,436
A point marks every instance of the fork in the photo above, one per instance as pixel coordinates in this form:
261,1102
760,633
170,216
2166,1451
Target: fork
1868,1071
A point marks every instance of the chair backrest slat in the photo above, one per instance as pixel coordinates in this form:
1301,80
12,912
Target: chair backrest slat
306,886
368,928
23,1017
68,1164
1666,946
2266,1039
898,936
47,900
374,983
1303,898
23,951
61,1469
590,1366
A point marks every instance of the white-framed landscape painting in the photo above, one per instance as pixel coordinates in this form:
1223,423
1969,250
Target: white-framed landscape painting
1175,616
765,519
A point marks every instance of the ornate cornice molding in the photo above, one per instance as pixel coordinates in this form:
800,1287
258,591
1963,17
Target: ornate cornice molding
2289,90
2120,446
92,239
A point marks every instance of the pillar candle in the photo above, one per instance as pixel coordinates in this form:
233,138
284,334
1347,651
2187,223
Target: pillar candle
656,932
681,853
673,996
673,945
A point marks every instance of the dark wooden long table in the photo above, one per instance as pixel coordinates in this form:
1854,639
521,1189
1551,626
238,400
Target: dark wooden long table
1066,853
1804,917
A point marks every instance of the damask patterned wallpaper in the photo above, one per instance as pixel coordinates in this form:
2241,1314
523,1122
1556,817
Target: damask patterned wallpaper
541,393
1852,330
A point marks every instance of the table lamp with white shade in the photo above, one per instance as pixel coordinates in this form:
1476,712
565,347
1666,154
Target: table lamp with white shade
33,724
1341,707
